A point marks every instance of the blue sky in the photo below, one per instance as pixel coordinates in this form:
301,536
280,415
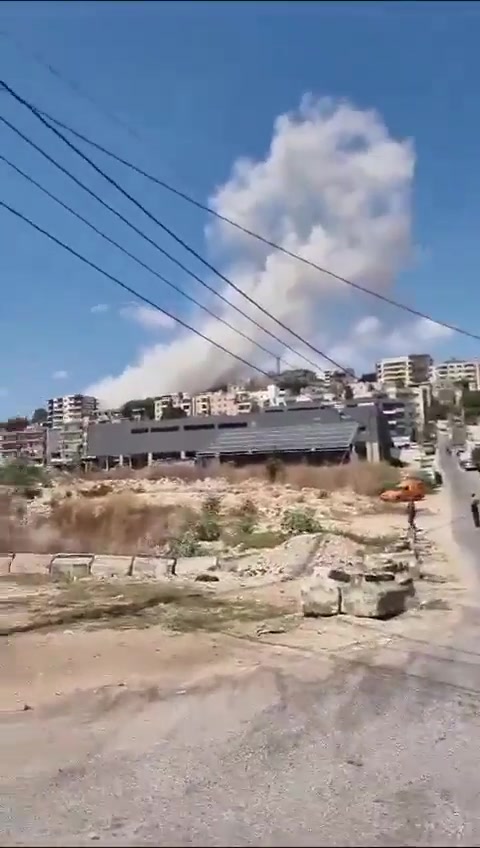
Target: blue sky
202,84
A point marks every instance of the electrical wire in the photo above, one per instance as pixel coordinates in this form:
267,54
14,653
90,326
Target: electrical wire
159,223
71,84
164,252
136,259
129,289
274,245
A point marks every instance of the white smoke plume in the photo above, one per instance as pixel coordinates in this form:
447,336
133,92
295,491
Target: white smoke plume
335,188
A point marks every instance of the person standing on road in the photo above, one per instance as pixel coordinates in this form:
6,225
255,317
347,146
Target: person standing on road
411,514
475,508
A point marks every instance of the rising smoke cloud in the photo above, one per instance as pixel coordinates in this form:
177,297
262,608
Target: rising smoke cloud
334,187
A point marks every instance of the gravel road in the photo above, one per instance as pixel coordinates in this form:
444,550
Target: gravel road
377,756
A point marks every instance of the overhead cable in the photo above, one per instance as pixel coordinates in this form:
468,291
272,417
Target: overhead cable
136,259
159,223
274,245
129,289
162,250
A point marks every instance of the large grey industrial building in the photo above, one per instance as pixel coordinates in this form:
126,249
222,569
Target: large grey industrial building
309,432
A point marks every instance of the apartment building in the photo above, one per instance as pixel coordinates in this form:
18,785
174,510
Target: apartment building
272,395
179,400
416,401
27,443
70,408
458,371
232,402
411,370
67,445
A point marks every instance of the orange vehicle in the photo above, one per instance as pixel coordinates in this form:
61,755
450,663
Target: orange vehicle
410,489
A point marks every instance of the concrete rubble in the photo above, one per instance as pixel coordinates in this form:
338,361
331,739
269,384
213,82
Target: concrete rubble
379,586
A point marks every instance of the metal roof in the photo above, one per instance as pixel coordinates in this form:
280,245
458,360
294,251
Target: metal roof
309,437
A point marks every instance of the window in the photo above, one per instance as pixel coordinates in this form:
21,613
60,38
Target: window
138,430
164,429
232,425
199,427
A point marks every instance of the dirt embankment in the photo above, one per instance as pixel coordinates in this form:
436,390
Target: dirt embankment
129,634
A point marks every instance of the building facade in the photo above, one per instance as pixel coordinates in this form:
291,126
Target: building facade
458,371
70,408
411,370
143,442
177,400
234,401
26,444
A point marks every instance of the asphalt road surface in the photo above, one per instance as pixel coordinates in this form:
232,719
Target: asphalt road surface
370,757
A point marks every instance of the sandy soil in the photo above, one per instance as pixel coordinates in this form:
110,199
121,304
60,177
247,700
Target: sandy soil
40,668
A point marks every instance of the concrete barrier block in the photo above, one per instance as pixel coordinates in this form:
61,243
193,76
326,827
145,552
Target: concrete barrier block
5,563
71,565
194,565
152,566
111,566
31,564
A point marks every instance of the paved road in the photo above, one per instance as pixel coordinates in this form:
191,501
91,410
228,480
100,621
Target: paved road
378,757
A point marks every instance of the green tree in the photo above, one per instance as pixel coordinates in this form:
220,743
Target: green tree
39,416
170,412
145,405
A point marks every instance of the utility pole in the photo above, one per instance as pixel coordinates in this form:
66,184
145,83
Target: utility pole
278,361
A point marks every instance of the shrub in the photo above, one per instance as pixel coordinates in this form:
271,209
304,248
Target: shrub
211,506
207,528
296,521
185,545
19,473
273,468
247,515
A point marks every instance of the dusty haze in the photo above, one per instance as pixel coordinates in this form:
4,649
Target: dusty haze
334,187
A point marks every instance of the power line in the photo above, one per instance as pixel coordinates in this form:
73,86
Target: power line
159,223
136,259
157,246
291,254
129,289
71,84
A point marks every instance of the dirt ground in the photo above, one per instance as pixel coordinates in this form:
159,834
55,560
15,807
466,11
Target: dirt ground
239,628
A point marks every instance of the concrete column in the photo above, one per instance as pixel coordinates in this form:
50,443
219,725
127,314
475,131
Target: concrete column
149,459
373,452
183,455
120,461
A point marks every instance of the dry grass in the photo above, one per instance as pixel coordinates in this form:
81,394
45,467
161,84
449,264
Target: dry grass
88,602
117,524
98,519
364,478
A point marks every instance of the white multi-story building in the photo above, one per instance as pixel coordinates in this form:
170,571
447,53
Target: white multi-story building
69,409
411,370
458,371
178,400
232,402
416,401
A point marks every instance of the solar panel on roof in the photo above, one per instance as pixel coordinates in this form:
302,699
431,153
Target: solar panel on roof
311,437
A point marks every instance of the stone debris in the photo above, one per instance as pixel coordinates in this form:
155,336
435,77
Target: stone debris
321,597
382,599
374,595
377,586
207,577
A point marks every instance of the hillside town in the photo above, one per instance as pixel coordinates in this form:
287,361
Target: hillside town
299,415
